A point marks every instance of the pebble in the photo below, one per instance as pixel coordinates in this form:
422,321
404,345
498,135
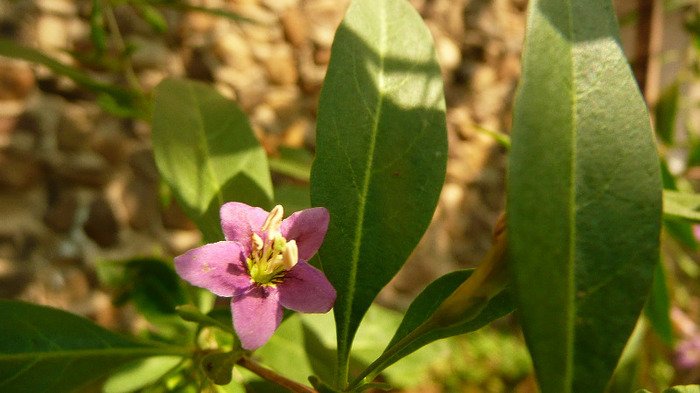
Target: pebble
60,214
73,129
87,168
13,278
19,171
295,27
281,67
16,80
143,164
101,225
140,200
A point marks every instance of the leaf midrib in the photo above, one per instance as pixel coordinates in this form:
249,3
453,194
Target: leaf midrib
570,334
205,149
357,244
99,352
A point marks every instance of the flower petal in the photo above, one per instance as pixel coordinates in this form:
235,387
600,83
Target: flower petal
218,267
239,221
308,227
306,289
256,315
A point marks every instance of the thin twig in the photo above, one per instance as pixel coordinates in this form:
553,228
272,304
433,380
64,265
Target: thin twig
273,377
111,20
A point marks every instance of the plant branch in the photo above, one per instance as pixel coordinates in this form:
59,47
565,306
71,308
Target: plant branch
273,377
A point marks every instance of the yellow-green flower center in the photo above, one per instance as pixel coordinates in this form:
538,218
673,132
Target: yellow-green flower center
271,257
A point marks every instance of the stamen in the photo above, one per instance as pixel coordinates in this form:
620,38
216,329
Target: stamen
274,220
290,255
257,242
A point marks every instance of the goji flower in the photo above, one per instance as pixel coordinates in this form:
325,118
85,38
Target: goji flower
262,266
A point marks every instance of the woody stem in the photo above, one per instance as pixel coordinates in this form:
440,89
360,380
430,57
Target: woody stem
273,377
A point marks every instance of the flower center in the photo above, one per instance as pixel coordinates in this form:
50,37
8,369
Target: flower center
272,255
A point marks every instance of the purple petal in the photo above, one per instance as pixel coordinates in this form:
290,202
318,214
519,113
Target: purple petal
306,289
218,267
308,227
239,221
256,315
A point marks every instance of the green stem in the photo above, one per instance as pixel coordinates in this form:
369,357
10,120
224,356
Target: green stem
341,373
379,365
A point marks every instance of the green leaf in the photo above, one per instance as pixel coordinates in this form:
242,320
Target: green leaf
658,307
98,34
153,17
425,305
156,291
684,205
584,195
293,197
678,389
139,374
381,153
48,350
684,389
666,111
292,162
207,153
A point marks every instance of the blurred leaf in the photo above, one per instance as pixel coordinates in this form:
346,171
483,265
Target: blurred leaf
191,313
683,205
218,366
584,195
118,106
117,94
680,229
154,286
98,35
424,306
292,162
658,307
629,369
669,182
666,111
677,389
381,153
153,17
304,345
293,197
44,349
140,374
184,6
207,153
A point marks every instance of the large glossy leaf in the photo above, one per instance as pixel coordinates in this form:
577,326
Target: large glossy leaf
206,151
381,152
584,195
48,350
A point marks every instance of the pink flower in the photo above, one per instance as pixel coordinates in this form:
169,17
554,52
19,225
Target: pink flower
688,353
262,266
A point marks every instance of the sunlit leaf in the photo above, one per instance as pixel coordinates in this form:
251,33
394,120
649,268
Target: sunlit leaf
381,153
206,151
